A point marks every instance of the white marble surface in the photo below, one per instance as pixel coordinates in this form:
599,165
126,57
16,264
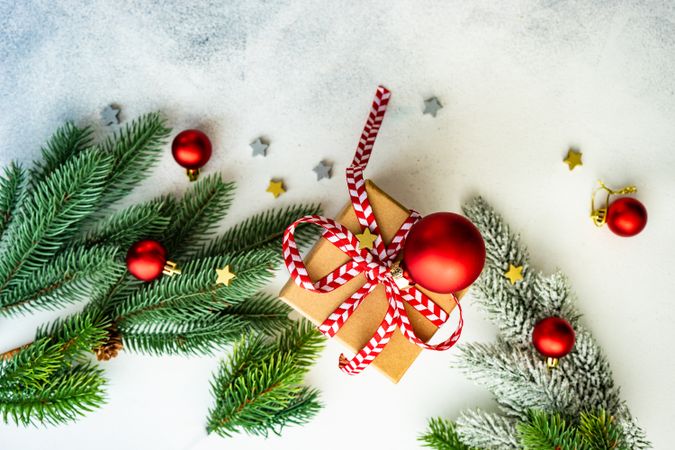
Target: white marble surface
520,83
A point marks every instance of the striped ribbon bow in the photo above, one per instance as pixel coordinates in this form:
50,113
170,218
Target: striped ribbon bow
376,263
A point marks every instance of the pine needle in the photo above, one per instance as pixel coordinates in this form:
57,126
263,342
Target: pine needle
197,215
66,142
12,190
123,228
263,230
133,150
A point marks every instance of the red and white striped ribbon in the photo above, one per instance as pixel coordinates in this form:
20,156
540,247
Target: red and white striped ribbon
374,264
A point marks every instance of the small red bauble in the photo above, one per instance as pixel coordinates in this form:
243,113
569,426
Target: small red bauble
444,252
191,149
626,216
553,337
146,259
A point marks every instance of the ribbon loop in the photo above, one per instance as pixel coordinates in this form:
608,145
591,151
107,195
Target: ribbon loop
375,264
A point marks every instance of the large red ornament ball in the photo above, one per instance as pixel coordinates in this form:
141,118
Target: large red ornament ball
191,149
553,337
146,259
444,252
626,216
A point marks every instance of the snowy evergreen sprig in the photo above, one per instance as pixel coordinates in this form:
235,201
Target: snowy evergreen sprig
512,369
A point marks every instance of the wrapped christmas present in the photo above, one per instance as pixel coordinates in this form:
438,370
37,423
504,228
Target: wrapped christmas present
368,281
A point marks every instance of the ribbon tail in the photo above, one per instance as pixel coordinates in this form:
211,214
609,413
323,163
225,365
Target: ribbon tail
409,333
374,346
425,306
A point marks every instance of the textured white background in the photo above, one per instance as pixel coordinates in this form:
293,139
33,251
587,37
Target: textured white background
520,82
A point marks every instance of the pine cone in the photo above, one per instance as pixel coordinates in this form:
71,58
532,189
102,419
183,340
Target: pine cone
109,349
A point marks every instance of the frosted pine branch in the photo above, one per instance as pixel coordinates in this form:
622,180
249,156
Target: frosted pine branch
487,430
511,368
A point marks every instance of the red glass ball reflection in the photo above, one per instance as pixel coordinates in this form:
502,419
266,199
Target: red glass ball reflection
146,259
553,337
444,252
191,149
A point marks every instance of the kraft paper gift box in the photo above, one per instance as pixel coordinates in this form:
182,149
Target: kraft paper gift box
399,353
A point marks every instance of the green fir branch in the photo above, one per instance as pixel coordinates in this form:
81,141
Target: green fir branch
258,388
31,366
195,291
76,335
73,275
134,150
262,313
51,213
12,190
59,248
123,228
441,435
302,341
192,337
66,142
67,396
182,330
49,381
302,407
197,215
600,431
543,430
264,230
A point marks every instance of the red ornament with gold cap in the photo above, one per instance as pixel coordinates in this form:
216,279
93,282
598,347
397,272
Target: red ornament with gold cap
554,338
625,216
147,261
191,149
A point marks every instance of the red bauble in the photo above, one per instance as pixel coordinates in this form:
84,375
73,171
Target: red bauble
444,253
553,337
146,259
626,216
191,149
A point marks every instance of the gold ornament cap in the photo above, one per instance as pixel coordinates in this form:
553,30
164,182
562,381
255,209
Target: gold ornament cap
551,363
599,215
192,174
171,269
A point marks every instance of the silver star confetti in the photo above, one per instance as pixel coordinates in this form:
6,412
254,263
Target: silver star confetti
431,106
323,170
259,147
110,115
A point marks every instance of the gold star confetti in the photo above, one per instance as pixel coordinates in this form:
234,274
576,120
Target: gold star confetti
276,188
366,239
573,159
514,273
225,276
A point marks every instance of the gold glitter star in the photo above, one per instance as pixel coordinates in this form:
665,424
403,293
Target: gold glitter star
366,239
514,273
225,276
276,188
573,159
